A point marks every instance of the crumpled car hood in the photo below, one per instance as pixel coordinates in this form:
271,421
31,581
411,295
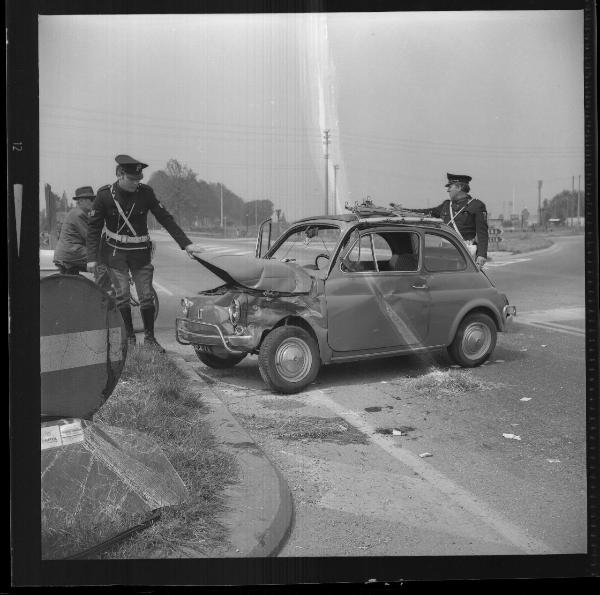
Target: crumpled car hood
257,273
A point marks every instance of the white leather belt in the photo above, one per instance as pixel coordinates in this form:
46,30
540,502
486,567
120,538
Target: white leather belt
126,239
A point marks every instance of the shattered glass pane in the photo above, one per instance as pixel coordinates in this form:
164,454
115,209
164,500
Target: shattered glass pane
99,481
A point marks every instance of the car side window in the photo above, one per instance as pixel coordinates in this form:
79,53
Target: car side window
397,251
360,256
440,254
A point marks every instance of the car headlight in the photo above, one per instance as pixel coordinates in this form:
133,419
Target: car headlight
186,306
235,311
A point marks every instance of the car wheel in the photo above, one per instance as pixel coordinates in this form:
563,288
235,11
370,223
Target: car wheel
475,340
288,359
219,362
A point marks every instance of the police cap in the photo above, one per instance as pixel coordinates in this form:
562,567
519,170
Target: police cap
457,179
84,192
132,167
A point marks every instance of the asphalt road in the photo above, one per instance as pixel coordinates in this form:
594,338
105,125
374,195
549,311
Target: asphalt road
372,492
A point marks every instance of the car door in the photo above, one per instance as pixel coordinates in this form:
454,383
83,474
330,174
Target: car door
369,305
452,279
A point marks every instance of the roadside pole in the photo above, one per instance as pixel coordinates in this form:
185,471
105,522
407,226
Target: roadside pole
540,182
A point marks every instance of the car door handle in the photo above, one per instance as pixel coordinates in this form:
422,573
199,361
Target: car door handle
424,286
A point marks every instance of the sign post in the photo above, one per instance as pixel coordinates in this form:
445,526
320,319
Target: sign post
495,235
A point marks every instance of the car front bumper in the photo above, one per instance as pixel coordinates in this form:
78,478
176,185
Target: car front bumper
196,332
509,312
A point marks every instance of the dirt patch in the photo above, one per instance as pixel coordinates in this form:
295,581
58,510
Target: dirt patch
332,429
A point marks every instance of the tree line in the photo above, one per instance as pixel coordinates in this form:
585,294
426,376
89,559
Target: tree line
198,205
563,206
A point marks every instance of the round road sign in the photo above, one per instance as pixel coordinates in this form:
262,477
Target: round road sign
83,346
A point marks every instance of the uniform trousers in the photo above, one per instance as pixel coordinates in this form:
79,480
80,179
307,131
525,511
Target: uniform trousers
122,263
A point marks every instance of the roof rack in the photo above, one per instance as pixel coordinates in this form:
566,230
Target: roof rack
368,209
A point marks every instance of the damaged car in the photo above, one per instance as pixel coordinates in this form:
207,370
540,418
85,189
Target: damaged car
366,284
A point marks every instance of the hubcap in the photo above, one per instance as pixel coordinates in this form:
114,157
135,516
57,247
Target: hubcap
477,339
293,359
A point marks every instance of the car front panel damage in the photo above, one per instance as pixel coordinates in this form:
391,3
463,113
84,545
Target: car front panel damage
270,294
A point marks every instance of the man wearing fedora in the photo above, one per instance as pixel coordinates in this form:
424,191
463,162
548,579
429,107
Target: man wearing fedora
465,214
118,238
70,254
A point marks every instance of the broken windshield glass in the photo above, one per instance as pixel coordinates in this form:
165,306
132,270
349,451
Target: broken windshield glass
99,482
305,243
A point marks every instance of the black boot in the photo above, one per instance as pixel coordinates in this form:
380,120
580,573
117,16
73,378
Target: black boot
149,338
126,315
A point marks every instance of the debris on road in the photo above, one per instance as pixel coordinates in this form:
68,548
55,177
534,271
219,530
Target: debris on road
424,455
525,399
396,432
512,436
543,345
498,361
553,460
523,348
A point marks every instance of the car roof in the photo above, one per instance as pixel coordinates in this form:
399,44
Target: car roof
374,218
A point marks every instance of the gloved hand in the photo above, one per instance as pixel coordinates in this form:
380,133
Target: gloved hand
480,261
91,266
191,248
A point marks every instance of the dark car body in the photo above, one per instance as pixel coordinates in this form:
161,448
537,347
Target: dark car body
361,285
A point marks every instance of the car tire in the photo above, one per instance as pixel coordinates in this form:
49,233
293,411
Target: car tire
288,359
218,362
475,340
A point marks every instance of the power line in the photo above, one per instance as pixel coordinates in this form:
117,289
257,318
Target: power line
303,133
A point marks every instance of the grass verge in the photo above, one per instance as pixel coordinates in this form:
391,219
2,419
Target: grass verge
152,397
522,242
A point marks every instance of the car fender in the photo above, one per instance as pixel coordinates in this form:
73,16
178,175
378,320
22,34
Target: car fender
309,316
479,305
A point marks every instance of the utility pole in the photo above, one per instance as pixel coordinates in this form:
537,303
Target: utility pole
326,143
578,199
540,182
221,187
569,212
335,171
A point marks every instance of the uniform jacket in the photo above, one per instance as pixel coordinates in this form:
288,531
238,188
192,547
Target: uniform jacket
471,221
71,245
136,206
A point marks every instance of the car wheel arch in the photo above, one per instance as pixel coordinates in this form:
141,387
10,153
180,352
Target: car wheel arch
298,321
474,309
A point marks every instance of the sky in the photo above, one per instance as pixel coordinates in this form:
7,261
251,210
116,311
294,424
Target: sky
246,100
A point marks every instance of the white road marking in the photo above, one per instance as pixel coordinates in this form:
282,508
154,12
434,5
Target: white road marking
503,263
76,350
546,319
463,498
160,288
569,330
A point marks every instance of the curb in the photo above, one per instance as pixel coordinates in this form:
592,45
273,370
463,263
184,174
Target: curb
259,505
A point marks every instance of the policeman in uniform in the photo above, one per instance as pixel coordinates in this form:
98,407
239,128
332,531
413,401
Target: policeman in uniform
118,237
466,214
70,254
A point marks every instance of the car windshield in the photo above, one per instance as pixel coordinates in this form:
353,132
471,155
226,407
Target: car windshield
304,244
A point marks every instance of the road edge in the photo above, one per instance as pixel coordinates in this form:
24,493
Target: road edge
260,511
